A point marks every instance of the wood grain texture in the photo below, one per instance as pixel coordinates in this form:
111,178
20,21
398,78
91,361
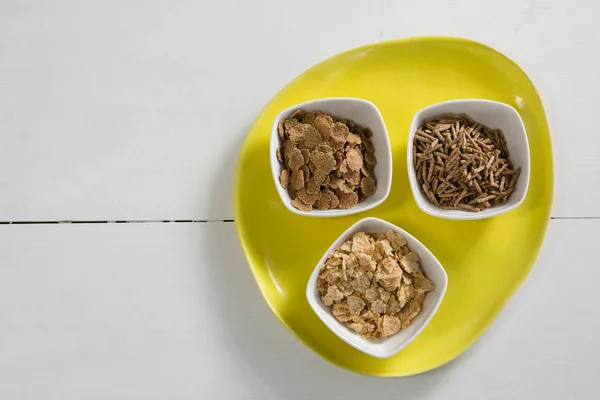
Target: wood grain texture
156,310
135,110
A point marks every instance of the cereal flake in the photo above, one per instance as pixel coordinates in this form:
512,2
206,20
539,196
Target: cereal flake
284,178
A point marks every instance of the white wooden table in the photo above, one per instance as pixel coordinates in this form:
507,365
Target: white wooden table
134,110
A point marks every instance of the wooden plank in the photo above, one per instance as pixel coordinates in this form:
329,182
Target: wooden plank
154,310
131,115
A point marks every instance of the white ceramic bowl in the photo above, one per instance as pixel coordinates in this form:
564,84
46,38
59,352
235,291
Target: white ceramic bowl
494,115
385,347
362,112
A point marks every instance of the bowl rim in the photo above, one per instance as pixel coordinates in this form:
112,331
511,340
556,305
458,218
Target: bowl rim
431,209
346,335
274,143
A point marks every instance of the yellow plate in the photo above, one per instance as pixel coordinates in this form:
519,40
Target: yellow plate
486,260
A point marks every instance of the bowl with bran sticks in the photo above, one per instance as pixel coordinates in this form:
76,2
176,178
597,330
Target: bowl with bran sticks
468,159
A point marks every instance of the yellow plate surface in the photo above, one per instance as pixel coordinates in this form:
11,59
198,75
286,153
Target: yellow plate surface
486,260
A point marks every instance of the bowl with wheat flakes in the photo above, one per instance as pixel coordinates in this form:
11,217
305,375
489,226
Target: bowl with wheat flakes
376,287
468,159
331,157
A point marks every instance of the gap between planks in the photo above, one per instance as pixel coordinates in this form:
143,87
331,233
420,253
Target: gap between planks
160,221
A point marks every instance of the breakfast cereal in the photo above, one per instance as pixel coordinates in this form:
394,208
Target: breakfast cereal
374,284
328,163
461,164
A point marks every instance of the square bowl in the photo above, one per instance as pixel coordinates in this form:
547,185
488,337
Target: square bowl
387,347
495,115
362,112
